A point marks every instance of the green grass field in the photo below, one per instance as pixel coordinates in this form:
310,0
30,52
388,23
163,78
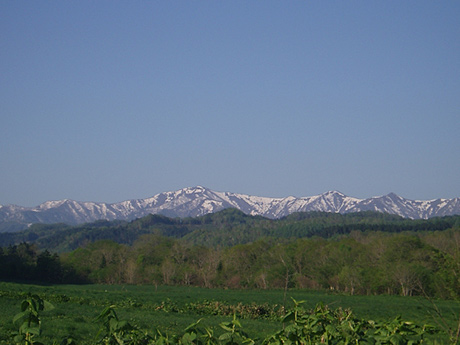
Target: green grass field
168,308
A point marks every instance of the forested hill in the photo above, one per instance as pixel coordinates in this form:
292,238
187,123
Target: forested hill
225,228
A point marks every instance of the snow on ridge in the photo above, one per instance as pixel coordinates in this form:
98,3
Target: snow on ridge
199,200
50,204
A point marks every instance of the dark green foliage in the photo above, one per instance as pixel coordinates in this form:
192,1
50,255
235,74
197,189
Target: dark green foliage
321,325
361,263
324,325
76,309
357,253
242,311
225,228
115,331
28,320
24,263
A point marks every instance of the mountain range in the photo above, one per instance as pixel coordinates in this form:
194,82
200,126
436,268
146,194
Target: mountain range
198,201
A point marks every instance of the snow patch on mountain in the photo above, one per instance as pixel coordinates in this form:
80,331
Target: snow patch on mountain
198,201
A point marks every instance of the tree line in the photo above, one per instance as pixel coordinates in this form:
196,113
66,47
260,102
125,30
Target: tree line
403,263
226,228
24,262
357,253
372,263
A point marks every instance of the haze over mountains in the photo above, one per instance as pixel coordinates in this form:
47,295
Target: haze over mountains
198,201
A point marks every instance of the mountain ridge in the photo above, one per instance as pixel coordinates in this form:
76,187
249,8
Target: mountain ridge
198,201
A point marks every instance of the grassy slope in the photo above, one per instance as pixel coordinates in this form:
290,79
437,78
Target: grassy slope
76,307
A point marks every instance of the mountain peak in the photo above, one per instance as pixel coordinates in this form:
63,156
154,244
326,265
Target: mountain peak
334,192
199,200
196,189
394,196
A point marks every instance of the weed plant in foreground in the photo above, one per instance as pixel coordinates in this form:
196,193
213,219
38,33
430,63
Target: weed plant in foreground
173,309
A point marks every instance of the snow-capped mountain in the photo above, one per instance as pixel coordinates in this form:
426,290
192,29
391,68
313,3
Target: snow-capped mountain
198,201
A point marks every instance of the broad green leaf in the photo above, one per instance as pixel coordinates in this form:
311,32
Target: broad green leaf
192,326
225,336
248,341
20,316
114,324
24,305
32,330
226,327
48,305
397,339
188,338
237,323
288,317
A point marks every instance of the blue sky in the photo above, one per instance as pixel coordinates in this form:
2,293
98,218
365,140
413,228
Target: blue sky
116,100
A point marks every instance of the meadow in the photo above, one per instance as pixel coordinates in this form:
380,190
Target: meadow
171,309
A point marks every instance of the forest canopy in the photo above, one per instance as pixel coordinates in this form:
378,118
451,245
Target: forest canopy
362,253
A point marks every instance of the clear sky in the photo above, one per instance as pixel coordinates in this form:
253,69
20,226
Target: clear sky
115,100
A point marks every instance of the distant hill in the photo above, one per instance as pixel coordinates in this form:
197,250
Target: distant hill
228,227
198,201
